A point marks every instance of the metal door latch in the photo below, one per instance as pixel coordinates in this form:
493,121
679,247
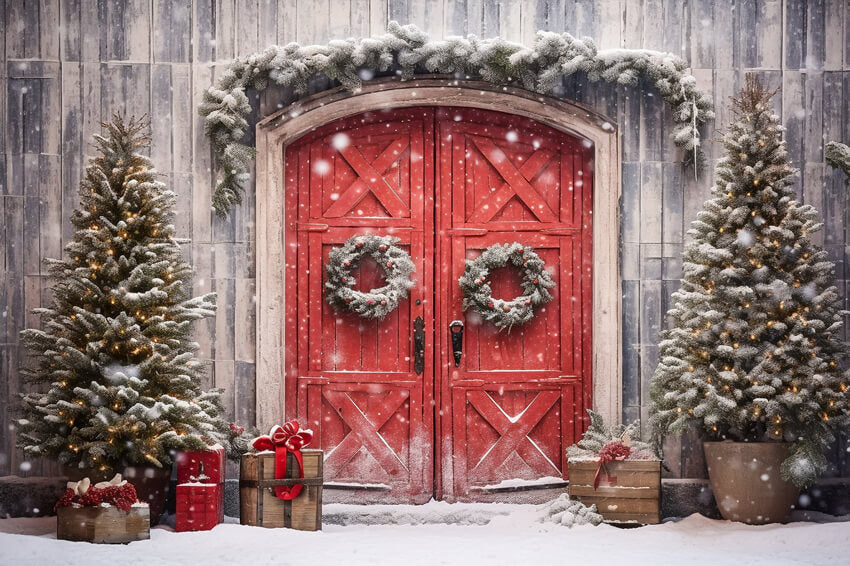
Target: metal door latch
456,329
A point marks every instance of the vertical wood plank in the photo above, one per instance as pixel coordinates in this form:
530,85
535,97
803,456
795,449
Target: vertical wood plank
48,29
172,32
769,20
161,117
650,203
701,30
378,19
224,16
247,27
835,42
723,38
70,33
815,34
793,115
746,34
795,34
608,16
672,202
813,121
313,23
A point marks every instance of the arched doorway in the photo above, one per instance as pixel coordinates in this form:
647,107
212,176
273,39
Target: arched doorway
449,181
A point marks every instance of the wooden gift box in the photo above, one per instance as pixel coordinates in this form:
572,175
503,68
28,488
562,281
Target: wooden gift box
629,494
258,504
108,525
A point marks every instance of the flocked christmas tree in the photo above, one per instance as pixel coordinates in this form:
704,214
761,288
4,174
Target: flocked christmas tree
755,352
114,358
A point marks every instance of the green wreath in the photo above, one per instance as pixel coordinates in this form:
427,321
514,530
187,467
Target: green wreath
376,303
477,293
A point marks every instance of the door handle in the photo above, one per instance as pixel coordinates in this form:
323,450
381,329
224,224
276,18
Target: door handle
456,329
418,345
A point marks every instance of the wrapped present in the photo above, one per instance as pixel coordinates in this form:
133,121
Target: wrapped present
199,507
193,464
107,512
280,485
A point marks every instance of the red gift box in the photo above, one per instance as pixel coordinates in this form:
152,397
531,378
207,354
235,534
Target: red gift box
200,489
197,506
188,465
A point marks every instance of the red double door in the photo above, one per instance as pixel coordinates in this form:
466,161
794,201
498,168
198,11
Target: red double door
448,182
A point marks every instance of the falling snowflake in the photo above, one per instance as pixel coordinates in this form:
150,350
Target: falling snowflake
340,141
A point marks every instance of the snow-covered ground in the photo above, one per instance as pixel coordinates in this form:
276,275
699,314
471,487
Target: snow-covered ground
511,535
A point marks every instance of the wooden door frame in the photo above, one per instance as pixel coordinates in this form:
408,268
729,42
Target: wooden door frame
283,127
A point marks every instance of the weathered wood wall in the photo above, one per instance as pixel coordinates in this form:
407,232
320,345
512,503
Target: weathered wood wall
68,64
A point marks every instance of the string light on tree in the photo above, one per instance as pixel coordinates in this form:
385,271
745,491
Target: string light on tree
749,256
110,328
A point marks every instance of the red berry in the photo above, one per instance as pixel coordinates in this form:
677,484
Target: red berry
382,247
370,302
359,244
506,309
347,263
528,302
383,302
536,281
347,300
520,250
490,304
389,264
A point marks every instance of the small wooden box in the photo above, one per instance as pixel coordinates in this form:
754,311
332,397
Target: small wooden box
631,493
108,525
258,505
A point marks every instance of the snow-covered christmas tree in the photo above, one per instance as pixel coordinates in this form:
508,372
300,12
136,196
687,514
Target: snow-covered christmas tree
114,363
755,352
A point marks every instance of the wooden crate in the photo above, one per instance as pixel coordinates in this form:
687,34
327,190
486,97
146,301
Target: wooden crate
632,493
103,524
258,505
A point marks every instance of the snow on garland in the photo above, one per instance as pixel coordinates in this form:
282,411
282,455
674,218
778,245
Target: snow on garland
599,435
477,293
838,156
377,303
226,107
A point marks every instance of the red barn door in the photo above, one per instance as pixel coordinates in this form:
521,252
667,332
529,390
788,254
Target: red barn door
351,379
514,403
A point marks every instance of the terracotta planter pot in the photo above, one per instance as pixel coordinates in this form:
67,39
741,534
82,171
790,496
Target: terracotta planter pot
151,483
746,481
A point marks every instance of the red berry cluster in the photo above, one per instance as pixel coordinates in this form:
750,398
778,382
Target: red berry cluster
122,497
614,451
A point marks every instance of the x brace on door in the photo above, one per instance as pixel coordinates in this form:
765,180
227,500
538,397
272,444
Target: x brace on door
514,433
371,178
516,182
365,431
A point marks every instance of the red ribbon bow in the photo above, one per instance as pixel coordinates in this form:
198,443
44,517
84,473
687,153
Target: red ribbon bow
285,439
615,451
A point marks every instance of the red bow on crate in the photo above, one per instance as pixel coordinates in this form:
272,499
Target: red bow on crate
285,439
616,451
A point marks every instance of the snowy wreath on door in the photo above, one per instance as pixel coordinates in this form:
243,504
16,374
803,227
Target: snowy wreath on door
478,295
375,303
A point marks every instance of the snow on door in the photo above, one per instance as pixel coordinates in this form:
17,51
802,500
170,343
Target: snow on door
514,404
352,379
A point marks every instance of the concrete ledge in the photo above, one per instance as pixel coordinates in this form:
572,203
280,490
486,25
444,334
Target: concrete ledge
29,497
34,497
683,497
